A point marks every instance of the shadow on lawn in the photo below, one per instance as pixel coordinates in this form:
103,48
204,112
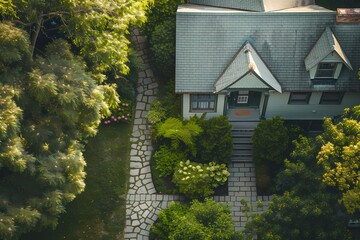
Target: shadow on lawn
99,212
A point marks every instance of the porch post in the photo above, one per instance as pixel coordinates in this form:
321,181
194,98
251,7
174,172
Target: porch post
266,99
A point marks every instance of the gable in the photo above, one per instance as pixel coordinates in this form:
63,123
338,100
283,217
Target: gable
246,62
206,42
326,45
249,81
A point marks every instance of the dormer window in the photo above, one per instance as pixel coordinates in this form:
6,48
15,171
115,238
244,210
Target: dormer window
326,70
326,59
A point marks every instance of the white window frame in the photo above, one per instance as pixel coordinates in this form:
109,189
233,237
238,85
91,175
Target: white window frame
321,70
203,102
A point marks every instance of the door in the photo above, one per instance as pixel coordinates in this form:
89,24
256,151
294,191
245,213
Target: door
244,98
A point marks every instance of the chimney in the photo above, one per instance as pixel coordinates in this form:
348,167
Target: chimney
348,15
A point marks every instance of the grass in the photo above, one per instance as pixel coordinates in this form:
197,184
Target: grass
99,212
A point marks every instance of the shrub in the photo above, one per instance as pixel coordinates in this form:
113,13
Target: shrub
196,180
270,142
166,160
208,220
163,48
156,113
120,114
181,134
215,142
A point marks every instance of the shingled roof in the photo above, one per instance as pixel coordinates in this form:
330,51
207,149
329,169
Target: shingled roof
247,62
207,39
327,44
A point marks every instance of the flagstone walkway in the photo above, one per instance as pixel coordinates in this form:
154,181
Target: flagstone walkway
143,203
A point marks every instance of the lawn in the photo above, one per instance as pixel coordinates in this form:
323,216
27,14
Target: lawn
99,212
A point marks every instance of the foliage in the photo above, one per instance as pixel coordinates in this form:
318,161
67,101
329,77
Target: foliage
197,180
214,143
270,141
156,113
160,28
308,209
163,48
340,158
298,218
160,11
208,221
91,215
166,160
98,28
50,106
120,114
179,133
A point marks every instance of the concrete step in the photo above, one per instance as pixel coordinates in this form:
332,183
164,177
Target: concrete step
242,152
242,140
243,146
241,159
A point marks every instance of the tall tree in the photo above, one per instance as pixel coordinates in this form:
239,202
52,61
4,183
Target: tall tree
99,28
340,158
48,108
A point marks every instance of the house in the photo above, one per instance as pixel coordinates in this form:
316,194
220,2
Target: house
256,59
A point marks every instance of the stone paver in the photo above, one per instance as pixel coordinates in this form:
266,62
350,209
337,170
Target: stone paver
143,203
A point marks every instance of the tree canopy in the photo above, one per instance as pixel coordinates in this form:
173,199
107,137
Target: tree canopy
53,57
320,185
99,28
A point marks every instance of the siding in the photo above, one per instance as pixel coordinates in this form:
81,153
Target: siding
278,106
219,107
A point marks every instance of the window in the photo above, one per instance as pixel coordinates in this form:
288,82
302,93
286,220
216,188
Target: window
331,97
242,99
326,70
299,97
203,102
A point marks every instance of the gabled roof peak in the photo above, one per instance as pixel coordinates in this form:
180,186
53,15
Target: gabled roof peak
326,45
247,61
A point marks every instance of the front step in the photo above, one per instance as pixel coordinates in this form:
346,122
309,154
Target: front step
243,147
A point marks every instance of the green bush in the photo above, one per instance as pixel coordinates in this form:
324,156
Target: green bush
215,143
156,113
166,160
181,134
207,221
270,142
163,48
160,11
196,180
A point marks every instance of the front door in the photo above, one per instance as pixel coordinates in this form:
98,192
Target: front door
244,98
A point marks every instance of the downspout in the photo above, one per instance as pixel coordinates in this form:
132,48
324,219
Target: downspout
266,99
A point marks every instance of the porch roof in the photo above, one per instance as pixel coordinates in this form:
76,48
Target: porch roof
247,61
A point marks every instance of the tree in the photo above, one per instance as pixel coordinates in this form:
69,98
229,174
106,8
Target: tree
308,209
271,141
208,221
99,28
340,158
49,107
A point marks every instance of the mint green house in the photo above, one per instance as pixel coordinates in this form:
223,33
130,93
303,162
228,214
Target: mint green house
256,59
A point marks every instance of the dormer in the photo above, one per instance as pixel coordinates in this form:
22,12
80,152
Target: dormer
326,58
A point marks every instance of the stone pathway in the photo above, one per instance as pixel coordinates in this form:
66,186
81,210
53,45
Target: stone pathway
242,185
143,203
